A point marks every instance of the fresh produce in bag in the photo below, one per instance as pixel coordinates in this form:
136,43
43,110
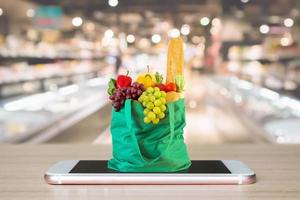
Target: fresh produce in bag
148,118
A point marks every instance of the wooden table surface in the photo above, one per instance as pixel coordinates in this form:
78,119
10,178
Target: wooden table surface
22,168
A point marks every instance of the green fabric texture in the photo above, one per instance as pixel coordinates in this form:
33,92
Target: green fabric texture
141,147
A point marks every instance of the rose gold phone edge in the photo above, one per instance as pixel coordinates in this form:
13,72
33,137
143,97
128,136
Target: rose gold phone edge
247,176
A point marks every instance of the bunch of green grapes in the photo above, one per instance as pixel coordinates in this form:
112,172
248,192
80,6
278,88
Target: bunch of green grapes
154,103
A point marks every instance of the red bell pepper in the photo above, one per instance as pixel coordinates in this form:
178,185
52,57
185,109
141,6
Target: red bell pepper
123,81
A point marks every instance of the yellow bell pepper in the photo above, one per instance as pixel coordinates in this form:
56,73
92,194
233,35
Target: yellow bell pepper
148,80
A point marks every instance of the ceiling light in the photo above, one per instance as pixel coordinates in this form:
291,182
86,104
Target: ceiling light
216,22
30,13
174,33
285,41
155,38
113,3
185,29
109,33
130,38
264,29
1,11
288,22
204,21
77,21
244,1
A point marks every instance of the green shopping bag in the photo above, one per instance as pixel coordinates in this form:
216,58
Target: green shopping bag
140,147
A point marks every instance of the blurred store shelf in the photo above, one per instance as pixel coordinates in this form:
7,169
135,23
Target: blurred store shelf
275,116
87,129
42,60
40,117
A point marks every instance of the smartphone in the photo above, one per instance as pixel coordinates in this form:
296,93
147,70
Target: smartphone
200,172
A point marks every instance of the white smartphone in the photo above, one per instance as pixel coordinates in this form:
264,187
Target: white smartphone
200,172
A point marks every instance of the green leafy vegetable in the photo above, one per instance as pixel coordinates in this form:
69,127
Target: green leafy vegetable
180,83
158,77
111,86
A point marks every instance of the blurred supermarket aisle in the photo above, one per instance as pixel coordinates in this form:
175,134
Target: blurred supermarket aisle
54,68
208,120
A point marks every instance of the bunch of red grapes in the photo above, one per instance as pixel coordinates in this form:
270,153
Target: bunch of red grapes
121,94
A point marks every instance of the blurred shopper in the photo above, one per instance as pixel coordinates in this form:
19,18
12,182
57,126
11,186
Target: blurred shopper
118,62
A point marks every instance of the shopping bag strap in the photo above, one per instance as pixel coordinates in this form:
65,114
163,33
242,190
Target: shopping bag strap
128,116
171,120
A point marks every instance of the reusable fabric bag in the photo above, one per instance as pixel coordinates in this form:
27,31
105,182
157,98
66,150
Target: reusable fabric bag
141,147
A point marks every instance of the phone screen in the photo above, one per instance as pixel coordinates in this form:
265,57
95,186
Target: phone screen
197,167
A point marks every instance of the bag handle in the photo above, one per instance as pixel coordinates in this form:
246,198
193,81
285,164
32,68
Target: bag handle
128,119
128,116
171,122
